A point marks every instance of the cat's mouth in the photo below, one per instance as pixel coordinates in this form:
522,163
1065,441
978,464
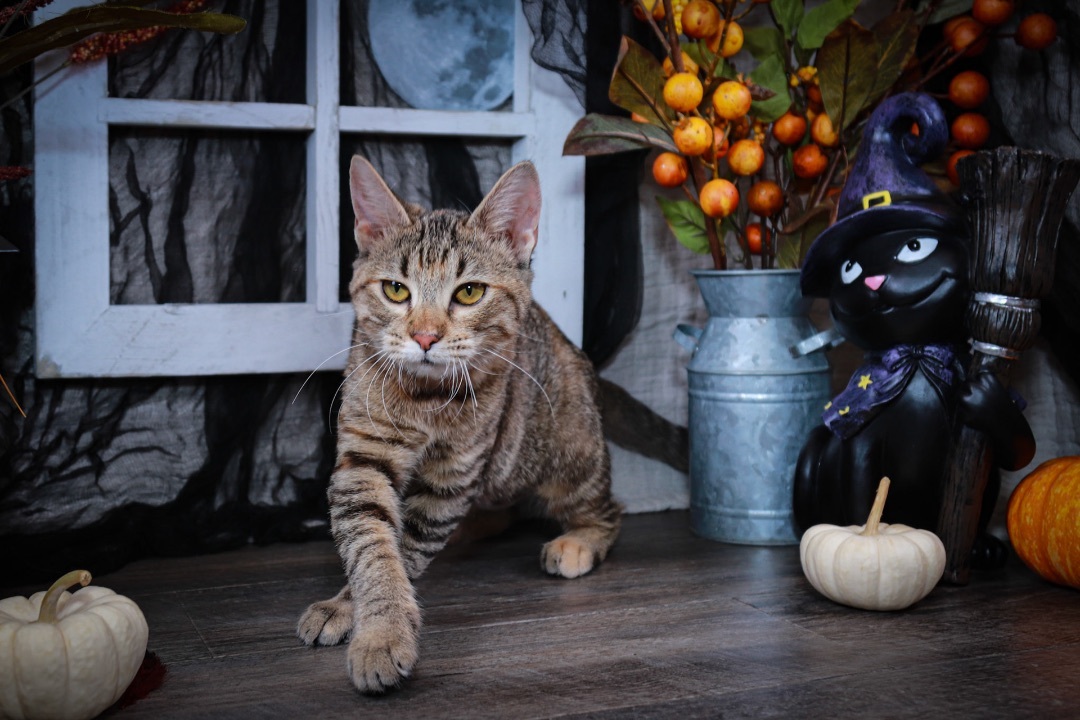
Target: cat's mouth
889,302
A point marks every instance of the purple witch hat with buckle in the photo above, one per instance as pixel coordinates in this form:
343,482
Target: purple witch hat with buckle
886,189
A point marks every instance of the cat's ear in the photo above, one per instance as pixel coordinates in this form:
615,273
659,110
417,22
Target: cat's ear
512,210
374,205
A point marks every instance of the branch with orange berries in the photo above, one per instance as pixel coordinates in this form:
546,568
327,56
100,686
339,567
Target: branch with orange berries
759,153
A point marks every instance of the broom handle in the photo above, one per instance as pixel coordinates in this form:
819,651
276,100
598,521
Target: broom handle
968,472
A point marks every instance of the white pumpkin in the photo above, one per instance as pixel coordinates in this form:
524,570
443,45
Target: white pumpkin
68,656
877,566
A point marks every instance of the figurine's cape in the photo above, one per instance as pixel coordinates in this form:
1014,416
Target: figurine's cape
883,377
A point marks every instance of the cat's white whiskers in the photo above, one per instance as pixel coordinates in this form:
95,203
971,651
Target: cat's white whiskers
382,390
344,380
529,337
372,362
319,367
526,374
461,384
470,389
450,370
458,382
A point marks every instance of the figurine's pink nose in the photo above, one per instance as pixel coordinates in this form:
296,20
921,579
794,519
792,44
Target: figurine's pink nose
874,281
425,340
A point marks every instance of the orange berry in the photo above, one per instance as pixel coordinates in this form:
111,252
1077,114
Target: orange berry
969,89
687,62
765,198
969,37
809,161
755,237
693,136
700,19
731,100
950,26
992,12
950,166
670,169
683,92
720,147
733,39
823,133
970,130
1036,31
657,7
789,129
719,198
746,157
740,128
813,97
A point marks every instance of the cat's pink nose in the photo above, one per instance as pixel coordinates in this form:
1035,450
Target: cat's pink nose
425,340
873,282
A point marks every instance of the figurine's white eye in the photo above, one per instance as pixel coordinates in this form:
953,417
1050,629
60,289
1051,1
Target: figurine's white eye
916,249
850,271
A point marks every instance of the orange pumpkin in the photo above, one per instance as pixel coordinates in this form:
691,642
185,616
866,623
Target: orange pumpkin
1044,520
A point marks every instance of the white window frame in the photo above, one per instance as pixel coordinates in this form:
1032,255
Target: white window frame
79,334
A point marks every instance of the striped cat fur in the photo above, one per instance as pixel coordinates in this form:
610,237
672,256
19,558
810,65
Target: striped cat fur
459,393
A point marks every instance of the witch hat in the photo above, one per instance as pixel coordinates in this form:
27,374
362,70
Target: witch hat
886,189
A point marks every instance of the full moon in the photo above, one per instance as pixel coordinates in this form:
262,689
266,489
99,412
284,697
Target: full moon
445,54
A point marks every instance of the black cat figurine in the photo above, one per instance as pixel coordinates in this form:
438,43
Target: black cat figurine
895,268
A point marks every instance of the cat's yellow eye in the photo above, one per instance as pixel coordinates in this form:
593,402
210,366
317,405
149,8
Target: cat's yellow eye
395,291
469,293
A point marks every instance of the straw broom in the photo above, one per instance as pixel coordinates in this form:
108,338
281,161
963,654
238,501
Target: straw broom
1016,202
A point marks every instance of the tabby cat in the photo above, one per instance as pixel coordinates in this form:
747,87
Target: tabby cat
459,392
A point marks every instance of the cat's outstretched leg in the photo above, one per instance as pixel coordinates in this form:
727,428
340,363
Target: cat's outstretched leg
365,520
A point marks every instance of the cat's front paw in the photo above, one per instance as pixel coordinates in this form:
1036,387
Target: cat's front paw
327,622
382,653
567,556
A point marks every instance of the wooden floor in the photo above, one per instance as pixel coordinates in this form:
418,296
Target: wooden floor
670,626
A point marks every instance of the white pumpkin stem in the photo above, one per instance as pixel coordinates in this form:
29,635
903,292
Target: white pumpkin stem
878,508
52,595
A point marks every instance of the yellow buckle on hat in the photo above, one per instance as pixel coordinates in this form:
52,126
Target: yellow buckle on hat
883,197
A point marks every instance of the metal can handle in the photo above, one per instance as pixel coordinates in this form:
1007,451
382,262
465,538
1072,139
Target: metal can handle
824,340
687,336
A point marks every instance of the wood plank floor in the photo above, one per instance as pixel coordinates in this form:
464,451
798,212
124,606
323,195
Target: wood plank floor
671,626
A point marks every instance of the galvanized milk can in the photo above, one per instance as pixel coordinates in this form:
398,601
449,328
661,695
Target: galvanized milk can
753,403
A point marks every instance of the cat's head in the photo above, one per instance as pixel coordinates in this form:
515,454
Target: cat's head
436,289
903,286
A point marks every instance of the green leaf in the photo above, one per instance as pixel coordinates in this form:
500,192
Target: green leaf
637,83
763,41
687,222
946,9
847,64
771,74
822,20
897,35
597,134
80,23
788,14
791,249
706,58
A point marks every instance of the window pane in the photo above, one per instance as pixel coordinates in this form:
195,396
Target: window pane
206,217
264,63
433,173
430,54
